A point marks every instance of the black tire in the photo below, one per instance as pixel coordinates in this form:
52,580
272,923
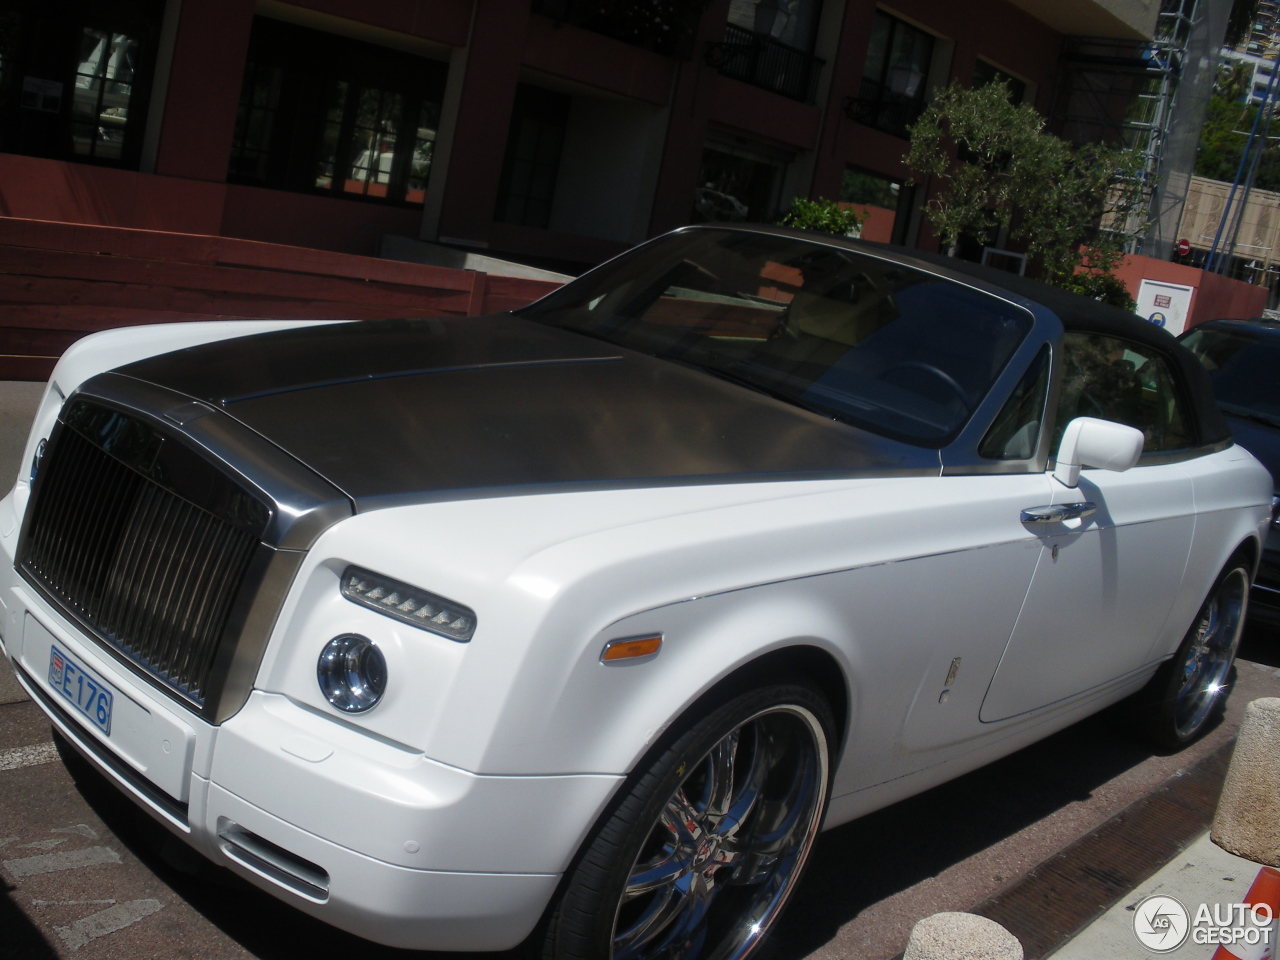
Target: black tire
1176,705
706,884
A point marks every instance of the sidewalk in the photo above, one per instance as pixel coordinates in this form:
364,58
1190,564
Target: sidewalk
1203,874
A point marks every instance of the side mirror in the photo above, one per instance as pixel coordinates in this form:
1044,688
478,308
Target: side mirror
1088,442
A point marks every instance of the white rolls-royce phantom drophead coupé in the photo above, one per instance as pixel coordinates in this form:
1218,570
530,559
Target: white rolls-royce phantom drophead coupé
575,625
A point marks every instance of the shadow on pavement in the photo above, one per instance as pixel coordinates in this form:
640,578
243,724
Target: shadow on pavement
1261,643
19,937
265,927
884,853
852,867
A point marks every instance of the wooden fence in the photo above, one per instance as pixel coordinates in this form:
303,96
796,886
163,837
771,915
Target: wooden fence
61,281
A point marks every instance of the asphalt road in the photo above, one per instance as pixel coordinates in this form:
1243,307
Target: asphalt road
84,875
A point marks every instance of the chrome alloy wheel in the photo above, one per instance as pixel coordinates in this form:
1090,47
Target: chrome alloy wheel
1209,656
729,844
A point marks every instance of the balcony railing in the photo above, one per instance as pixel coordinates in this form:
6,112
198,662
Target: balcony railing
663,26
764,62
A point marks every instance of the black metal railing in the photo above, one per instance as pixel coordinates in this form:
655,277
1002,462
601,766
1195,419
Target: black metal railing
663,26
762,61
150,573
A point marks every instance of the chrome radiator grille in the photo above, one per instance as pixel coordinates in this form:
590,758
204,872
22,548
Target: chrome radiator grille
142,542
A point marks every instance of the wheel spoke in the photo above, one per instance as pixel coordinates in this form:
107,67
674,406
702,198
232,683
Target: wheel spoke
693,910
646,878
777,829
637,940
682,819
750,783
720,774
1212,624
685,924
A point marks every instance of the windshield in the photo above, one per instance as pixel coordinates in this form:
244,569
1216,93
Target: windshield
1242,368
881,346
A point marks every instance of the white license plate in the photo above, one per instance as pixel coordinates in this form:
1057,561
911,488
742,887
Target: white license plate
91,696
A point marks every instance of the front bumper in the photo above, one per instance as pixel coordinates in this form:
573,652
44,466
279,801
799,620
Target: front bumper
367,835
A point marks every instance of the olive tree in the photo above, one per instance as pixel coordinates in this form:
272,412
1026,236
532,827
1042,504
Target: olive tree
999,168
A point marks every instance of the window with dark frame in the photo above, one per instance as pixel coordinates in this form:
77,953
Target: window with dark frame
75,78
984,73
326,114
526,191
1015,433
255,121
103,89
894,76
1130,383
735,186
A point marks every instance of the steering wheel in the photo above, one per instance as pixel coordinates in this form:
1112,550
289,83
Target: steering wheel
941,374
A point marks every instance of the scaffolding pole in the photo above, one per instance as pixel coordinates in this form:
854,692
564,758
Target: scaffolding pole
1124,92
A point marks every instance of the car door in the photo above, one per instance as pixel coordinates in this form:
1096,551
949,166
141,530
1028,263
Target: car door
1105,582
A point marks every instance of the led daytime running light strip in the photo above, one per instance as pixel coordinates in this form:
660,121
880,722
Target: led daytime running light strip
409,604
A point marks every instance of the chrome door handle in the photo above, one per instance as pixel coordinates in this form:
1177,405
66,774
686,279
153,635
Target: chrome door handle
1057,512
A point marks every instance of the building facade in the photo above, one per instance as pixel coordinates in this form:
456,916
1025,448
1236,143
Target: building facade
1257,50
553,130
1260,67
1264,31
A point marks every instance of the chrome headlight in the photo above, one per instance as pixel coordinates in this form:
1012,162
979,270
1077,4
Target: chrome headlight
352,673
409,604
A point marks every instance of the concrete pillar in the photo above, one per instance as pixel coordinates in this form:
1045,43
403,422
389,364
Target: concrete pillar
690,107
490,72
1247,822
204,89
961,936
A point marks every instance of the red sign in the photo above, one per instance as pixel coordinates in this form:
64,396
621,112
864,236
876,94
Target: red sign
1184,247
1163,300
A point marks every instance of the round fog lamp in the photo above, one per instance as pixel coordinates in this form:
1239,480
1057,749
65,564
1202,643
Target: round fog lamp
352,673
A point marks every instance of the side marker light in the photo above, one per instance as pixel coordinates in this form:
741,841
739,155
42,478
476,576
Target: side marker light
631,649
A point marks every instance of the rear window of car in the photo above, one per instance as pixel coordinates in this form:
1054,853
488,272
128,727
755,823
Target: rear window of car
1242,368
898,351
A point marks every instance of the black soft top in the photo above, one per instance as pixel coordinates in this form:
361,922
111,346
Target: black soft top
1082,313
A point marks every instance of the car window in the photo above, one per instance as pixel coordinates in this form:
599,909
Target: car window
895,350
1130,383
1015,433
1242,369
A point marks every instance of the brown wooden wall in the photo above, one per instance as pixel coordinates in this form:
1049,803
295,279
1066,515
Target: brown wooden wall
61,281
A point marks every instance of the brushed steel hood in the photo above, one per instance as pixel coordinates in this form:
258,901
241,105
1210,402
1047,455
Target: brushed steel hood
399,411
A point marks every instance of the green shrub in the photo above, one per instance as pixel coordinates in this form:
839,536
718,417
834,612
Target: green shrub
823,216
1100,286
